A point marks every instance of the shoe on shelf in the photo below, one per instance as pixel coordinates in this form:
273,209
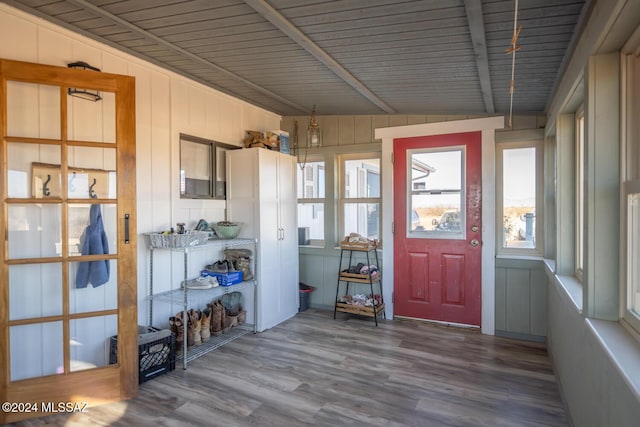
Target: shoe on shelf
195,317
202,282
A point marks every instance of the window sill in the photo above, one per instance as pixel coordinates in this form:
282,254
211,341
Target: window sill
570,286
622,348
524,257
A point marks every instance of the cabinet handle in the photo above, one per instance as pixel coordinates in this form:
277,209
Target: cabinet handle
126,229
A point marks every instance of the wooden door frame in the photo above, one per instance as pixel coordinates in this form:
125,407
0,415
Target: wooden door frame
487,127
107,383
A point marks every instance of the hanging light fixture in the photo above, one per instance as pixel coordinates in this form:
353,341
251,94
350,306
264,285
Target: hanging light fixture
314,134
84,93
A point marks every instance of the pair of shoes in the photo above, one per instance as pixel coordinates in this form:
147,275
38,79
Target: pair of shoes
202,282
223,266
217,317
189,333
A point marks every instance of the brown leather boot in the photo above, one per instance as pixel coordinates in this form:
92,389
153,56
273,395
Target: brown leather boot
189,328
216,318
175,325
205,323
195,317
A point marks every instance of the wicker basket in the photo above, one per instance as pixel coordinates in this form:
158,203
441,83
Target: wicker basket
192,238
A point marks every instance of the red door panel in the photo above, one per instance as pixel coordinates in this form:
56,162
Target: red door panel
437,250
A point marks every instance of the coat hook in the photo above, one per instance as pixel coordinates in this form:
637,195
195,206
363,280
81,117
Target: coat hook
92,193
45,187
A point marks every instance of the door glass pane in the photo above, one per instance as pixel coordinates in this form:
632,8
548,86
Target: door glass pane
34,231
35,290
33,170
92,173
519,197
92,121
89,343
33,110
92,229
436,204
36,350
362,178
362,218
93,286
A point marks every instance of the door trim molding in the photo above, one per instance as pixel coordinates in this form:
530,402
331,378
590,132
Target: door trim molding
487,127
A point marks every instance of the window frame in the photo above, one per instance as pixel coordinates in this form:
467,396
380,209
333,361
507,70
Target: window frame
314,243
580,163
342,200
538,145
630,134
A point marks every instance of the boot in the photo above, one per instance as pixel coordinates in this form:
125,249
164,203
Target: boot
216,319
205,331
189,332
195,317
224,323
175,325
244,265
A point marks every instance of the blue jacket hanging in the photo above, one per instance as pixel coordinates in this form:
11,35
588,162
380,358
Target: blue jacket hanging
93,242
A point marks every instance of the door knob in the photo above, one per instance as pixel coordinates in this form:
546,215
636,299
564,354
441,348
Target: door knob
474,242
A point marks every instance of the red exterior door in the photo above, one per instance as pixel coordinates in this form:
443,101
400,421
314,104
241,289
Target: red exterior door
437,208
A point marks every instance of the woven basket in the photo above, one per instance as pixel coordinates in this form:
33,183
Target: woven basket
192,238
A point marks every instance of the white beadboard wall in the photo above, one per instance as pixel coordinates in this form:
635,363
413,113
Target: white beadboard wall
167,104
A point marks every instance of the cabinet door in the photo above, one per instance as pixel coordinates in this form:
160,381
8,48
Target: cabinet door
68,262
288,247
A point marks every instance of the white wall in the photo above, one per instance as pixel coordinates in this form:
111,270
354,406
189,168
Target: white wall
166,105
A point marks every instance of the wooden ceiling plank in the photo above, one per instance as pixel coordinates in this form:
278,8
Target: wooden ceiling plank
272,15
476,27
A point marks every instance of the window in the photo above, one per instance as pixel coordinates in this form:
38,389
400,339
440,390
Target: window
436,186
519,197
359,200
580,160
633,249
630,285
311,199
202,172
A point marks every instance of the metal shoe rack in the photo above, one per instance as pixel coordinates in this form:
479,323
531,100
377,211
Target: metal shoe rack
374,311
190,298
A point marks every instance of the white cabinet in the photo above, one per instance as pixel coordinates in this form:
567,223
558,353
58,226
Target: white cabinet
261,193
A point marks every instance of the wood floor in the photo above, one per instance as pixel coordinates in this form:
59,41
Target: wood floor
313,370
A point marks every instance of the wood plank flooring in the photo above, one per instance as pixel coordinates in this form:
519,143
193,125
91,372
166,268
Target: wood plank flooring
313,370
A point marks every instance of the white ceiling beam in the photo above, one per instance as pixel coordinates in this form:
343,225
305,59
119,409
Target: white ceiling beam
475,19
294,33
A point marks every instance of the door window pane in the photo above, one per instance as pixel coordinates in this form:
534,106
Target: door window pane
33,170
33,110
85,224
35,290
34,231
93,286
36,350
435,183
519,197
91,173
92,121
89,341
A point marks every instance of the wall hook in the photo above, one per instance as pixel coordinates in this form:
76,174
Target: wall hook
92,193
45,186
